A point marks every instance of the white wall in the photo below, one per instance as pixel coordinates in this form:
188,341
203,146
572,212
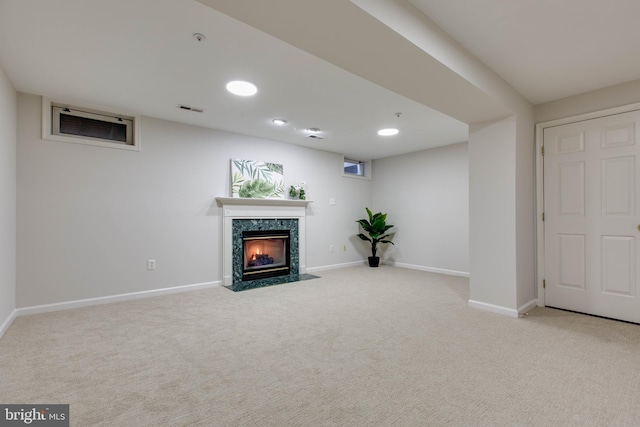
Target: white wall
609,97
502,214
525,235
493,214
8,123
90,217
426,195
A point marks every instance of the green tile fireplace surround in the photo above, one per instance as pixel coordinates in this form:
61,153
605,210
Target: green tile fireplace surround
241,215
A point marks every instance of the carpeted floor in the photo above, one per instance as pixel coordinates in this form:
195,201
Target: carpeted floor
356,347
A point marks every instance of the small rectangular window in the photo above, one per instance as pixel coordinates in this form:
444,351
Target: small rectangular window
353,167
67,123
88,125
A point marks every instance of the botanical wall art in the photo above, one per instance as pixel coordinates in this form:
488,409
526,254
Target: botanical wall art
256,180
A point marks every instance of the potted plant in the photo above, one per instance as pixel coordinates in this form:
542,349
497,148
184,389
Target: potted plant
375,226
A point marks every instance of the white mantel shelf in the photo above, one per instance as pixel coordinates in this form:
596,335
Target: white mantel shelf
243,201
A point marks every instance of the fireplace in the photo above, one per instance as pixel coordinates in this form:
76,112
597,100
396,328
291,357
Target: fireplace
261,215
265,254
265,250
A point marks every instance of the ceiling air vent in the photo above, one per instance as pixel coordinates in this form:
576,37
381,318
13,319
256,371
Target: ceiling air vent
314,136
187,108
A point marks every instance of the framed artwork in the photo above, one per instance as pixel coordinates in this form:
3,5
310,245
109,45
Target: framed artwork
256,180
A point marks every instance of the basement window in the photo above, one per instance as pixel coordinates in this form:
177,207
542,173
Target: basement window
99,127
357,168
353,167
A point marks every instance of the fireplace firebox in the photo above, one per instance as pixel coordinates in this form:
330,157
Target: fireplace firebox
265,254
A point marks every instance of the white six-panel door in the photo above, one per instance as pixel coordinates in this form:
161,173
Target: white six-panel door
592,226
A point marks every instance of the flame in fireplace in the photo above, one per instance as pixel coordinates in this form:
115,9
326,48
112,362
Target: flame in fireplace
258,251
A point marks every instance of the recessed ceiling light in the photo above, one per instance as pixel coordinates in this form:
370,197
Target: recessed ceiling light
242,88
388,132
279,122
313,130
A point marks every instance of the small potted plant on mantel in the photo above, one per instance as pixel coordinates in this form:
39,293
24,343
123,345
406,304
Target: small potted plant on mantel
375,226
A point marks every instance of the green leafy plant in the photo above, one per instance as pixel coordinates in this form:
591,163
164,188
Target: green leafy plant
297,192
375,226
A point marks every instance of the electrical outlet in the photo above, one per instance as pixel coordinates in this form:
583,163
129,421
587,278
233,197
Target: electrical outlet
332,201
151,264
331,249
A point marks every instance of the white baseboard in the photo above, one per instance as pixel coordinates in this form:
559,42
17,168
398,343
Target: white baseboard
5,325
392,264
335,266
503,310
429,269
113,298
528,306
493,308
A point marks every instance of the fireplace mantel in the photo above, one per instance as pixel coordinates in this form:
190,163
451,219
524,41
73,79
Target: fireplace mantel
245,208
243,201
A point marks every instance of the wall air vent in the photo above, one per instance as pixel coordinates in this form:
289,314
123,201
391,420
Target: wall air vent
70,123
187,108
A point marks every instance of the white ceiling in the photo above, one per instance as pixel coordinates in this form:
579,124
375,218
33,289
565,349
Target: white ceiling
546,49
140,56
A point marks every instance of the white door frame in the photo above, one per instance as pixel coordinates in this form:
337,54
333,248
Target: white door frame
540,127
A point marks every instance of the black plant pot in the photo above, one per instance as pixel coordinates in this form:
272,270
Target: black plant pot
374,261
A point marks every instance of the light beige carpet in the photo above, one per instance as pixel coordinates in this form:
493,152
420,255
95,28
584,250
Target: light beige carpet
356,347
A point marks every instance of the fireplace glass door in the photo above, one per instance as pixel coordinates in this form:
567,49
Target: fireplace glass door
266,253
